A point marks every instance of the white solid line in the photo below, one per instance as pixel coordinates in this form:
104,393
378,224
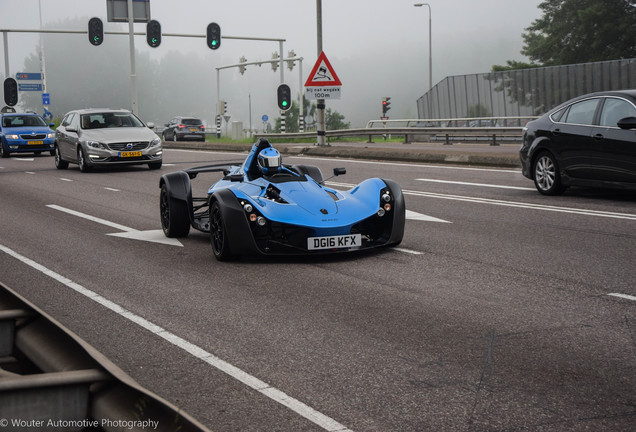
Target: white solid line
112,189
65,179
29,172
92,218
262,387
625,296
475,184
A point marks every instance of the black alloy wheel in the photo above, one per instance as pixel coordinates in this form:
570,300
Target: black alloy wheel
175,221
218,233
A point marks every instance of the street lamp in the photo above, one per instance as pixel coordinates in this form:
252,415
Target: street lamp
430,45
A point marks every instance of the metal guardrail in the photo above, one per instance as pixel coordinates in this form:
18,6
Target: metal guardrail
491,135
52,380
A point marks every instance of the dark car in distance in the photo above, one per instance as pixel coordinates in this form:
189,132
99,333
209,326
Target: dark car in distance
588,141
184,128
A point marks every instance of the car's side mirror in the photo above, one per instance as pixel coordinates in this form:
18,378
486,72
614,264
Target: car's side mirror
70,129
51,125
627,123
236,177
339,171
150,125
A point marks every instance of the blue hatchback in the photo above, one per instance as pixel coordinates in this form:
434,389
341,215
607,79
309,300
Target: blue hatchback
25,132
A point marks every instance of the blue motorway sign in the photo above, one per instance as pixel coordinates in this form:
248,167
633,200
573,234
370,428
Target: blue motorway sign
46,99
29,76
265,118
30,87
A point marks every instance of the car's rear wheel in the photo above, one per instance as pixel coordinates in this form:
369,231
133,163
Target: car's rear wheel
59,162
175,221
218,233
81,161
547,178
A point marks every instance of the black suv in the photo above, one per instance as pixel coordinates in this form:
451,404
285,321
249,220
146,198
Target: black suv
184,128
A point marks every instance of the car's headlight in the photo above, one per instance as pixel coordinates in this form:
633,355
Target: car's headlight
155,142
96,145
51,135
12,136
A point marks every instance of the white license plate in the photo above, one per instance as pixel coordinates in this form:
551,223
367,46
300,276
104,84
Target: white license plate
334,242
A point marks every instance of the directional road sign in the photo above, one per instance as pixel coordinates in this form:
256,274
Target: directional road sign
30,87
29,76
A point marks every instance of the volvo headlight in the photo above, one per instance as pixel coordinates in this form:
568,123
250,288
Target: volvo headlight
155,142
96,145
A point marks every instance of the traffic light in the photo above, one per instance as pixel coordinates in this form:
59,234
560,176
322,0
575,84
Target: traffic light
153,33
214,36
224,107
10,91
95,31
385,105
284,97
242,68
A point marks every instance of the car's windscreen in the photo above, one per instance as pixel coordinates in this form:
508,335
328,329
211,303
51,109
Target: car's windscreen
109,120
20,121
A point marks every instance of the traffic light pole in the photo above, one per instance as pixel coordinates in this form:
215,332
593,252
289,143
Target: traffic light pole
133,72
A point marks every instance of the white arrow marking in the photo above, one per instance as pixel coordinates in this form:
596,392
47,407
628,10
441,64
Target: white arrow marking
422,217
155,236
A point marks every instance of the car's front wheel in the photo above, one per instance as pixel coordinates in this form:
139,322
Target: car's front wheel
547,178
81,161
218,233
175,221
59,162
3,152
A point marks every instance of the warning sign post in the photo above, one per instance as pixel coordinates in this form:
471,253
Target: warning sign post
323,82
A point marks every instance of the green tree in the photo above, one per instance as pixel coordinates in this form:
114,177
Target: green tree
579,31
335,121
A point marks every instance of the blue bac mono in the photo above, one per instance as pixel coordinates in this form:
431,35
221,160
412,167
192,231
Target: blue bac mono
265,207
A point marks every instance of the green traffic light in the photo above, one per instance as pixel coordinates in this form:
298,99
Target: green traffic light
214,43
284,103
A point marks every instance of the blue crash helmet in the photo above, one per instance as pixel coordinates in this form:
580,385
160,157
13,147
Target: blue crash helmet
269,161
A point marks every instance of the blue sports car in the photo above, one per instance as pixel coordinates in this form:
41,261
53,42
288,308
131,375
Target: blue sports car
25,132
265,207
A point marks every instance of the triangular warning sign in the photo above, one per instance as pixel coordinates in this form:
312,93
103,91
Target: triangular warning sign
322,75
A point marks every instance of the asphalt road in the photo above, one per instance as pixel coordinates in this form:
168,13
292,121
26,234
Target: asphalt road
501,309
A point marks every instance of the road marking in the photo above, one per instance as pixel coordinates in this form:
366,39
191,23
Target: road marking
23,159
29,172
154,236
475,184
323,421
65,179
625,296
422,217
112,189
408,251
571,210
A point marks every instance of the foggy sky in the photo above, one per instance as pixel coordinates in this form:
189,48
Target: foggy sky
377,47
